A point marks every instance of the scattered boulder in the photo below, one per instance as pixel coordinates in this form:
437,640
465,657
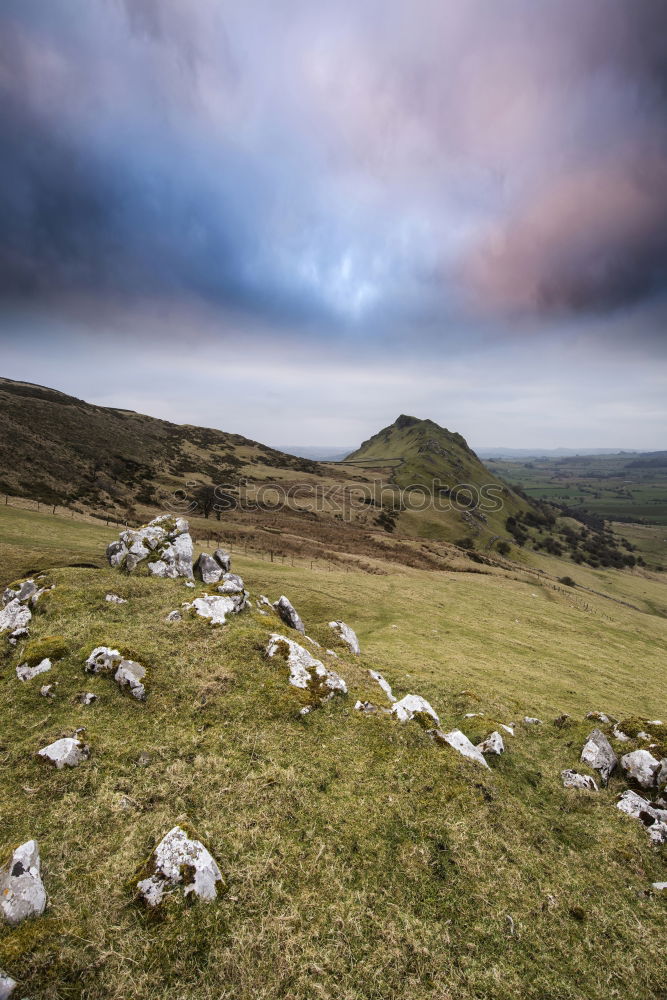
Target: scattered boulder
377,676
598,716
659,886
305,671
26,673
231,584
174,616
459,741
48,690
189,583
208,568
179,862
22,893
508,729
530,721
164,544
619,735
115,599
14,616
346,635
598,754
7,986
86,698
216,608
492,744
658,833
223,559
572,779
22,593
638,807
642,767
67,752
127,673
368,708
414,705
18,633
288,614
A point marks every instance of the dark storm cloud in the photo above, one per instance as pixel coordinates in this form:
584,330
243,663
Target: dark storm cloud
312,163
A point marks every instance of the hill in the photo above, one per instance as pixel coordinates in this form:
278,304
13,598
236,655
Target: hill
359,859
59,449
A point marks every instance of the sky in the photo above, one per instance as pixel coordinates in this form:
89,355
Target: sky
296,220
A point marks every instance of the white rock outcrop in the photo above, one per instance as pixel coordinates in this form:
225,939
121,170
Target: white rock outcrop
115,599
638,807
164,545
23,593
231,584
22,892
413,704
66,752
346,635
599,754
223,559
304,670
179,863
126,673
217,607
572,779
26,673
287,612
384,684
7,986
642,767
508,728
459,741
174,616
530,721
208,568
492,744
14,616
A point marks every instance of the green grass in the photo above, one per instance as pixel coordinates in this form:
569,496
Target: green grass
359,859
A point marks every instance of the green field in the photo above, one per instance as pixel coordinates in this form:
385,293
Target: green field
360,860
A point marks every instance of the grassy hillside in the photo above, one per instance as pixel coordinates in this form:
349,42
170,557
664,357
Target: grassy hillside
59,449
359,859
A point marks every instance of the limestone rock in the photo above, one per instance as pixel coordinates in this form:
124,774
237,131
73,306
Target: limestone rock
508,729
7,986
22,593
127,673
530,721
115,599
48,690
411,705
22,893
26,673
598,716
459,741
179,862
223,559
377,676
661,774
598,754
658,833
231,584
659,886
216,608
86,698
642,766
208,568
174,616
287,612
346,635
67,752
492,744
638,807
14,616
18,633
619,735
165,539
572,779
304,670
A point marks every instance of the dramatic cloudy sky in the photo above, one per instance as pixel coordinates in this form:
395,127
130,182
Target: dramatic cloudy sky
297,219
